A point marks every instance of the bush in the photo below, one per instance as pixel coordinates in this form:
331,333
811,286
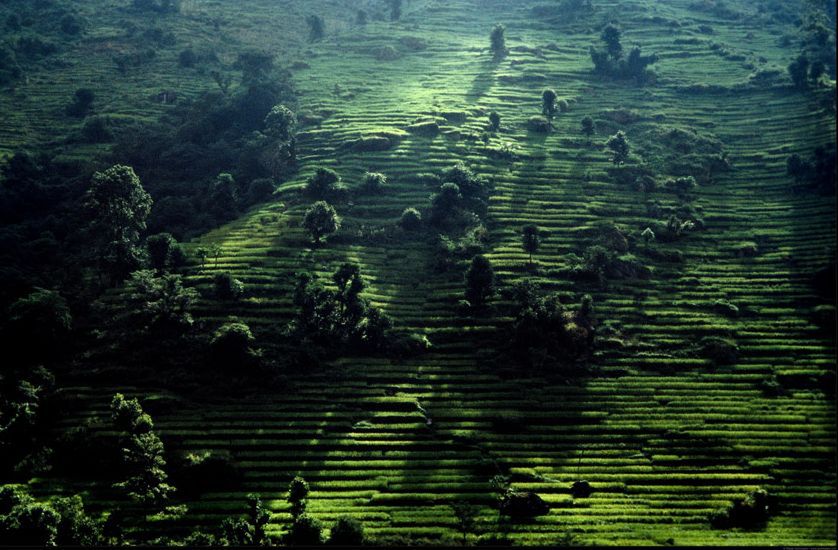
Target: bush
750,512
346,532
374,183
523,504
82,102
305,531
97,130
720,351
411,220
538,124
324,183
226,287
232,344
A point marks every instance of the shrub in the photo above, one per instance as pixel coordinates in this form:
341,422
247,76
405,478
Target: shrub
548,104
324,183
538,124
226,287
97,130
750,512
588,127
720,351
374,183
411,220
346,532
70,24
305,531
494,121
82,102
187,58
232,344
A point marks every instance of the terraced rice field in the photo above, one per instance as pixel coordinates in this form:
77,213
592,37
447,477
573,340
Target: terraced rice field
663,437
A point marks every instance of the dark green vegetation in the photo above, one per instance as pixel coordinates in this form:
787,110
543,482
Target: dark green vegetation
412,272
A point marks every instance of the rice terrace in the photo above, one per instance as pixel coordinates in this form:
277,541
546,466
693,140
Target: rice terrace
417,273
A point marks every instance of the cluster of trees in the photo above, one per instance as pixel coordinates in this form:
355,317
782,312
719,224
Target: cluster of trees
224,150
462,195
817,172
338,319
610,60
546,335
62,522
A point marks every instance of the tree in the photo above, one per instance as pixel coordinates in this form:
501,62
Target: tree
163,252
480,281
82,103
281,123
161,305
30,524
346,531
248,530
143,455
374,183
119,206
619,146
232,344
494,121
255,66
588,127
531,239
305,531
316,28
497,40
298,490
323,183
466,516
798,71
445,203
38,323
361,18
76,527
226,287
548,104
411,219
611,35
321,220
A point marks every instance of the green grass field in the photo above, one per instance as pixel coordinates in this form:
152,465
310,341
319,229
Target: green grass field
663,437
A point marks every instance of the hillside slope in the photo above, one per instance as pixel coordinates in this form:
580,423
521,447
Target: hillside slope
664,437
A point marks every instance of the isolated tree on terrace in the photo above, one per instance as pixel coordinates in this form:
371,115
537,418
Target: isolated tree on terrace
119,207
494,121
548,104
799,71
619,146
497,40
588,127
298,490
321,220
480,281
531,239
316,28
611,35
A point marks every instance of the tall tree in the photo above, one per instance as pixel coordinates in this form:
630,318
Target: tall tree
497,40
548,104
480,281
531,239
620,149
119,206
321,220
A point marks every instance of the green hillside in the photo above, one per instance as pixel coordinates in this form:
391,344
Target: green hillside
664,435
